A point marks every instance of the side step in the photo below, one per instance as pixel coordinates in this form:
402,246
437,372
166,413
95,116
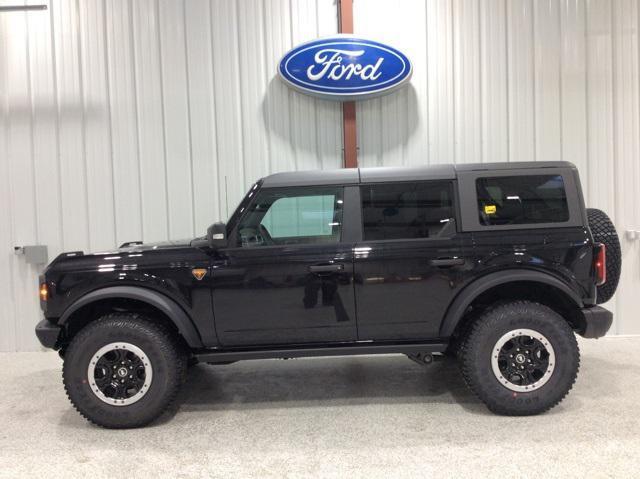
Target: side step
228,355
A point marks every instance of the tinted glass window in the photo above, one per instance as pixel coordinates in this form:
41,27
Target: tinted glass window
406,210
515,200
293,216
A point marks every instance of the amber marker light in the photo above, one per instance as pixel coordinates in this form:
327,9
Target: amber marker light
44,292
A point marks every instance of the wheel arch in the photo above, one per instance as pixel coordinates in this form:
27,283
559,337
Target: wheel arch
502,284
153,300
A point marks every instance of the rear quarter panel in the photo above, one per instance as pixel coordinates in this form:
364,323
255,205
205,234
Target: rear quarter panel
565,253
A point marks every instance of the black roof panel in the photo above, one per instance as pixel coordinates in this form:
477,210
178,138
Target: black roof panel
351,176
407,173
343,176
515,165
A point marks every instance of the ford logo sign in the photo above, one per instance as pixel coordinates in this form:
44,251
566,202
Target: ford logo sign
344,67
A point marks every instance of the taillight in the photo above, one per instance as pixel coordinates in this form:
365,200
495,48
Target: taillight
600,264
44,292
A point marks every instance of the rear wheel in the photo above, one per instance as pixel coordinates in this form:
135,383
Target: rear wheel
123,370
520,358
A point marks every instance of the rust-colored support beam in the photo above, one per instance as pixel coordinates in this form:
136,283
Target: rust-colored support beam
346,16
349,134
349,141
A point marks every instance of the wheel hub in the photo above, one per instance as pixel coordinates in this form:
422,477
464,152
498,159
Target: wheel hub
523,360
119,373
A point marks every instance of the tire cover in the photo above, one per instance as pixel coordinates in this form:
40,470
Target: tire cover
604,232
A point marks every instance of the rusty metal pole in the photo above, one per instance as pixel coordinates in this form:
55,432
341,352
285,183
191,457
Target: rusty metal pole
348,107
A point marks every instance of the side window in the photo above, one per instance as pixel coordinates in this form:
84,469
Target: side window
301,215
515,200
406,210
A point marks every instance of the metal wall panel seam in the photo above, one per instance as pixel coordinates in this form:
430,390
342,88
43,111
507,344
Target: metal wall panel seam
31,128
109,117
481,104
189,133
560,92
214,117
164,123
56,99
266,76
586,184
239,104
132,56
83,131
507,82
534,112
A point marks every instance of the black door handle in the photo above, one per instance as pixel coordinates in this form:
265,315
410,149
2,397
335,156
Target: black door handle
446,261
326,268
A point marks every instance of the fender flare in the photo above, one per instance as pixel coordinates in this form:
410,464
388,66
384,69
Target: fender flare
470,292
153,298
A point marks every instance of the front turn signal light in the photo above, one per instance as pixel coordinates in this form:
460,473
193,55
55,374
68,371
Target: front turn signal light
44,292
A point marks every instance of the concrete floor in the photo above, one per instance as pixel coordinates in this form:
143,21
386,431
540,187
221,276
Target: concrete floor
329,417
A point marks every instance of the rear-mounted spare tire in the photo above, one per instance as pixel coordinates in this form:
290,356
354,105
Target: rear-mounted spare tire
604,232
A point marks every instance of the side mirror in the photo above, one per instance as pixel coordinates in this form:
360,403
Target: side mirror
217,235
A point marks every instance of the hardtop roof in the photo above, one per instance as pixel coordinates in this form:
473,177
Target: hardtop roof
381,174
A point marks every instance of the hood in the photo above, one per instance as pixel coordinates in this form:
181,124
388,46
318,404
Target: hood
80,258
139,246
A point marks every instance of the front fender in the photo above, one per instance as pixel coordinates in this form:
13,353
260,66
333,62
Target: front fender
153,298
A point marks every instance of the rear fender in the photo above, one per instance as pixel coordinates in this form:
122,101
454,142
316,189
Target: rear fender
463,300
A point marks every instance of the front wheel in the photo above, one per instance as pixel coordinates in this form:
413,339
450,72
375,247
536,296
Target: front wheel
123,370
520,358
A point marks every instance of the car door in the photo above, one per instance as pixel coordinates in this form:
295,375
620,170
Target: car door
287,276
410,263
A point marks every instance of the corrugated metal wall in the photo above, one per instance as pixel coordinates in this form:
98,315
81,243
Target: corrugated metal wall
147,119
517,80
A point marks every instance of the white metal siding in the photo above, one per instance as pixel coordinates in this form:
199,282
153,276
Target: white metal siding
147,119
517,80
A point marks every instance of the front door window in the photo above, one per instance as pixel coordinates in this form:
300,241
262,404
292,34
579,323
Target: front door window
293,216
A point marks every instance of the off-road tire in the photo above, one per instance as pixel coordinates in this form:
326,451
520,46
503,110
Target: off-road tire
604,231
477,349
167,356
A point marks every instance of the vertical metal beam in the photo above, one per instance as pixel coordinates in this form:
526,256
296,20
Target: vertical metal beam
349,142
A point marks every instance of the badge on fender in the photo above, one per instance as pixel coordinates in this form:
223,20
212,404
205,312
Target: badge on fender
199,273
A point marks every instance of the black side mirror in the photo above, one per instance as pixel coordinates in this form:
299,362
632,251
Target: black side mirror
217,235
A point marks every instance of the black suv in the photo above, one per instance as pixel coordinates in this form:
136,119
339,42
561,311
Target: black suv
497,264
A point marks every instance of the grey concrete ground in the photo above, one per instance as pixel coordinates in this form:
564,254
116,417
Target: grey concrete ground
356,417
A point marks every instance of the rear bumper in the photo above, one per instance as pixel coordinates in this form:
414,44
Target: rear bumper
596,322
48,333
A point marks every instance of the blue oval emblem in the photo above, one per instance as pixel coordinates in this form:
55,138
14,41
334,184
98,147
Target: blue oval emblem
345,67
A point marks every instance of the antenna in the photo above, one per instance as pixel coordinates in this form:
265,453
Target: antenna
226,196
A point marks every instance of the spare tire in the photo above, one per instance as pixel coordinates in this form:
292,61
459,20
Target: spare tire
604,232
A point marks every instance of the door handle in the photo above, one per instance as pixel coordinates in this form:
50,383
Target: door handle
446,262
326,268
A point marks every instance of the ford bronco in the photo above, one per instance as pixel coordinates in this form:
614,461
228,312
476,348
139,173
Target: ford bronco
498,265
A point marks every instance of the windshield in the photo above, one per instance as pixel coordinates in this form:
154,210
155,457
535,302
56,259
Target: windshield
242,205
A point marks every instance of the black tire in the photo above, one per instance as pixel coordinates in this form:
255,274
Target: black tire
604,232
478,347
166,356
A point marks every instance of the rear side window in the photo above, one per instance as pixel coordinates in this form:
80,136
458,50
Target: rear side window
516,200
406,210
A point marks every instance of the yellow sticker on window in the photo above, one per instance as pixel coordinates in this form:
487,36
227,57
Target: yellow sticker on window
490,209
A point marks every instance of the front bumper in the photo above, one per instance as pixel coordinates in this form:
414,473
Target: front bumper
48,333
596,322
